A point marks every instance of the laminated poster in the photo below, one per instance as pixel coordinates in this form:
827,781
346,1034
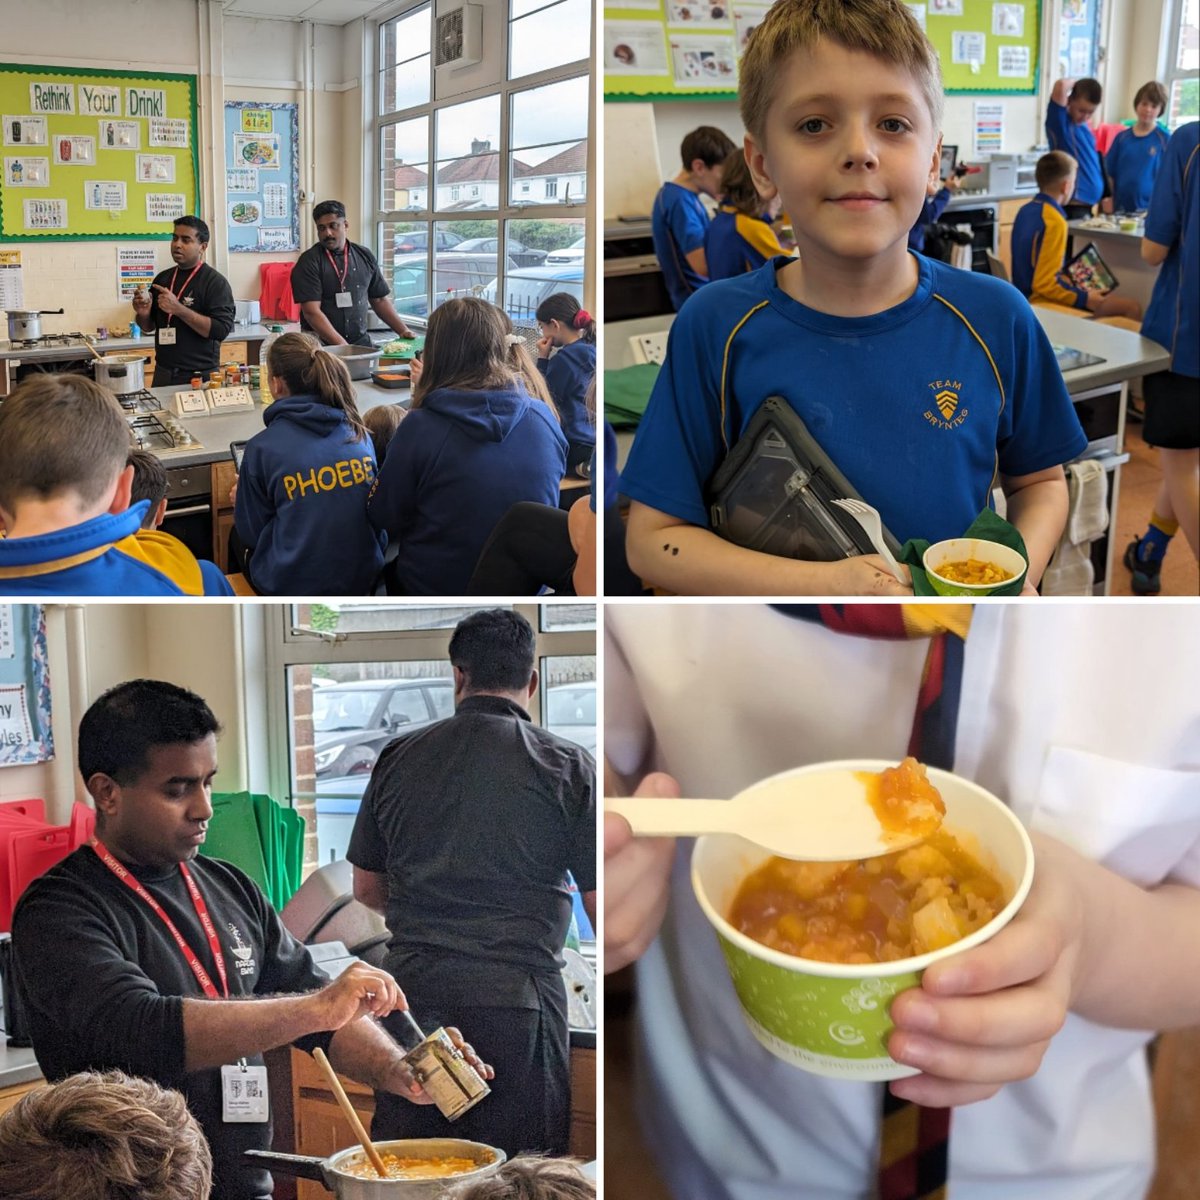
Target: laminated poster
25,131
24,171
12,295
275,238
635,48
275,202
104,194
918,12
748,17
698,16
1014,62
25,730
135,268
45,214
706,63
241,179
945,8
246,212
156,168
165,207
164,132
969,48
71,150
256,150
120,135
1008,20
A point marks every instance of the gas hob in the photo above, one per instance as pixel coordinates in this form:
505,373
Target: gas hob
157,431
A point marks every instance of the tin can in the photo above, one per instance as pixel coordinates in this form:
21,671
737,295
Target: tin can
197,382
233,375
101,333
255,376
450,1081
245,374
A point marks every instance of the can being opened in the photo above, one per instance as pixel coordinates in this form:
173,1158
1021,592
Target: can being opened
448,1079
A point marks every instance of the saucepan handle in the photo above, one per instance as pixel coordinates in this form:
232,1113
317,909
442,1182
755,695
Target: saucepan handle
301,1166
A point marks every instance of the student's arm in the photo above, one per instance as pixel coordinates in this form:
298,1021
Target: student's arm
1086,941
1154,253
697,260
1062,92
670,553
320,323
1049,280
1038,505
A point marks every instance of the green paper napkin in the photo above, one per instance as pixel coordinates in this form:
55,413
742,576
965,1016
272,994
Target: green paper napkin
627,392
987,526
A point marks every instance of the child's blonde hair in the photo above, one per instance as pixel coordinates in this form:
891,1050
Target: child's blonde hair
531,1178
61,433
1053,168
883,28
382,421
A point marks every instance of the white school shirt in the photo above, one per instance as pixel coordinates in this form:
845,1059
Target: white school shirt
1083,718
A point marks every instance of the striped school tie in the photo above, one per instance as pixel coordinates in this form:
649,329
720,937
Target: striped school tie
915,1141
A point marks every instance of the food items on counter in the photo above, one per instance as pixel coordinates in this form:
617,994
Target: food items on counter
402,1167
197,382
877,909
973,571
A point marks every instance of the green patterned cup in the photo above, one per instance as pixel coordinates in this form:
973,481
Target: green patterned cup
833,1018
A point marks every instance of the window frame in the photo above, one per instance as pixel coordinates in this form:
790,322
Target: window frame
1170,72
375,217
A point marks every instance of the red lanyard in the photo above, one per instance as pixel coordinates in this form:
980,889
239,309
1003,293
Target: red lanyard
202,976
345,266
179,294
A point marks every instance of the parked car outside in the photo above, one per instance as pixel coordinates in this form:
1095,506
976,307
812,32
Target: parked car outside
523,256
409,240
574,253
455,274
352,722
525,288
570,712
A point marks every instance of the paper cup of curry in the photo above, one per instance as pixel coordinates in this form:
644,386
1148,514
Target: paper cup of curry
817,951
971,566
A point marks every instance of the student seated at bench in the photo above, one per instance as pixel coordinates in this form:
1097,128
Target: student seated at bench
65,486
481,435
301,503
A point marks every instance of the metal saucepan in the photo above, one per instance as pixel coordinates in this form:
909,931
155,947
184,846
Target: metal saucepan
25,325
122,374
358,359
345,1186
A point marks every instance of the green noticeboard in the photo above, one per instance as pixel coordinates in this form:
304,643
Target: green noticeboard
684,50
95,154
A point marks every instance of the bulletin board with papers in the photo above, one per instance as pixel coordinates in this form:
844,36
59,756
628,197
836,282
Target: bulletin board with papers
89,153
25,729
690,50
262,176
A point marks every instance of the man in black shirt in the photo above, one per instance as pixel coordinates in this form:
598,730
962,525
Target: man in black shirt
135,954
464,839
191,310
335,280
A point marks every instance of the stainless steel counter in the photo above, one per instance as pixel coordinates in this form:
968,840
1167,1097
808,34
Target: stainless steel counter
16,1066
240,333
1126,354
215,432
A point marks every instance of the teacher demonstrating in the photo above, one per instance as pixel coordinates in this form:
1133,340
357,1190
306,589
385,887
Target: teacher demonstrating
189,309
336,280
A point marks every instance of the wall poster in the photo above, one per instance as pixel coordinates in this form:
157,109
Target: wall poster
25,730
262,176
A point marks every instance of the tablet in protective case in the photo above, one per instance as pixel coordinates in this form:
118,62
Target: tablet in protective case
774,490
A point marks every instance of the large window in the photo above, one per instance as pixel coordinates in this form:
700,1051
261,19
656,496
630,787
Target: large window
1183,61
344,680
484,192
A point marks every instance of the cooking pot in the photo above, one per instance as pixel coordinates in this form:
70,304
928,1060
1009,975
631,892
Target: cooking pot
330,1171
25,325
122,374
358,359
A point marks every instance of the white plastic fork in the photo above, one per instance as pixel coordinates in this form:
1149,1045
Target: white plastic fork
868,518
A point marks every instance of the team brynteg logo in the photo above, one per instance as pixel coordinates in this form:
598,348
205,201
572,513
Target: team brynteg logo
948,411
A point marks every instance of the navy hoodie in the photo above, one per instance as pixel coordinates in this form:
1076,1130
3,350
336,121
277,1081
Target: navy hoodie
302,503
456,465
569,374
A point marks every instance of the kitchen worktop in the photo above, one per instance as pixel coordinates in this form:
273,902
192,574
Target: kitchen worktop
1126,354
16,1065
215,431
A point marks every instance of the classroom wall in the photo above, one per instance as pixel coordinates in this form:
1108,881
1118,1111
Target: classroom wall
96,646
256,60
1133,48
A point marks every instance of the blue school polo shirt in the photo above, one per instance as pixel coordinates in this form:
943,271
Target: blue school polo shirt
921,406
678,225
1173,318
1133,164
1080,143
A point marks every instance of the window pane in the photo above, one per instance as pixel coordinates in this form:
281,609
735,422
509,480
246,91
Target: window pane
1188,55
464,259
468,163
1185,102
404,262
548,161
551,35
404,61
404,171
568,697
382,618
343,715
559,617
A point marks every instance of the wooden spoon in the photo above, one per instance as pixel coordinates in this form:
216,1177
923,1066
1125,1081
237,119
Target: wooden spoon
359,1132
821,815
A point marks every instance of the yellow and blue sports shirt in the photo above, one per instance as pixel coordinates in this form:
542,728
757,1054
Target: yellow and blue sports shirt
923,406
1039,249
736,243
106,556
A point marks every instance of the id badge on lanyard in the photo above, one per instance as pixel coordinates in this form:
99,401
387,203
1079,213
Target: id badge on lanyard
343,300
244,1096
166,336
342,297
